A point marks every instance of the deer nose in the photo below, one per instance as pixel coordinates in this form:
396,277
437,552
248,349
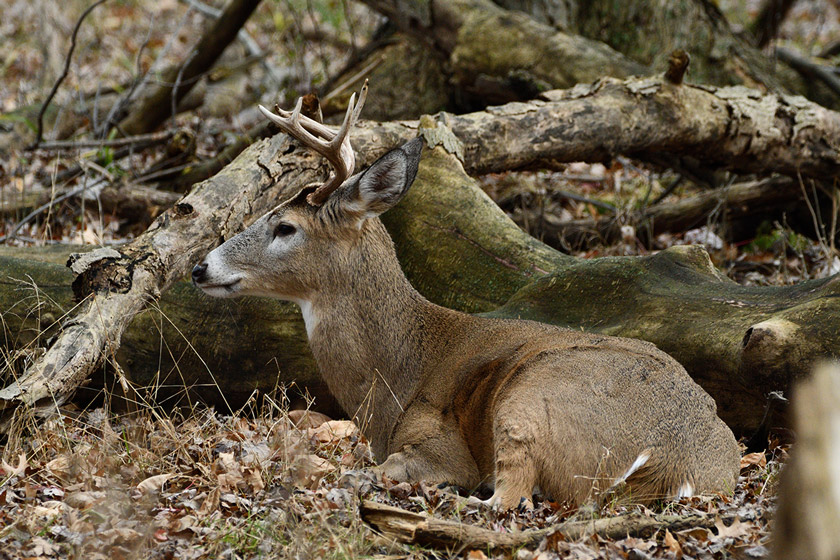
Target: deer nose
199,272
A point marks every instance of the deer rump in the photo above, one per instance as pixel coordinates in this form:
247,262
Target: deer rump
580,416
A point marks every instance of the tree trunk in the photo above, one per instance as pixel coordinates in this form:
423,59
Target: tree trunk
156,104
460,250
809,493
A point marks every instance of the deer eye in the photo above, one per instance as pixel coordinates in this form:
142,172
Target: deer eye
284,230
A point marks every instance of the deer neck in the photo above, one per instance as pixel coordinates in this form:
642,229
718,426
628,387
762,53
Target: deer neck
366,333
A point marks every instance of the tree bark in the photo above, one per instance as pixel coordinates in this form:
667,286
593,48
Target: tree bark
732,127
460,250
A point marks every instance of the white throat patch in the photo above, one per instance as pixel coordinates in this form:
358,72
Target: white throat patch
310,318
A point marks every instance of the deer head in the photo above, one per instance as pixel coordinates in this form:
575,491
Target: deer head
301,245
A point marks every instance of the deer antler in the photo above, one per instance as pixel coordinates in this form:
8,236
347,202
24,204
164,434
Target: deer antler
335,146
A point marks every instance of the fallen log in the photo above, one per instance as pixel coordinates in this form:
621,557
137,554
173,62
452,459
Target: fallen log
459,250
169,349
426,530
759,199
497,55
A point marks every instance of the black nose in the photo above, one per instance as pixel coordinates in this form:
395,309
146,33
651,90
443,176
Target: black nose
199,272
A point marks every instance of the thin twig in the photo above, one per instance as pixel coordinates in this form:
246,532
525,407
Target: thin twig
810,69
426,530
668,190
585,199
819,232
39,134
142,139
178,84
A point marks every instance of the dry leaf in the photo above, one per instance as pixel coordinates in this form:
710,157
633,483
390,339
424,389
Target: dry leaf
184,523
304,419
736,530
698,533
253,476
753,460
10,471
309,469
672,544
40,546
230,477
153,483
60,466
84,500
210,504
160,535
476,555
49,509
335,430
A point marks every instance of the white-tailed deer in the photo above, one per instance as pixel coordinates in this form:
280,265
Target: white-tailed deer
450,397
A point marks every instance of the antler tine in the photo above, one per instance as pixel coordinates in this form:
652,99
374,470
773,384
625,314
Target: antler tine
335,146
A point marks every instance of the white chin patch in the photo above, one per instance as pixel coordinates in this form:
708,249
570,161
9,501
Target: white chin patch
229,290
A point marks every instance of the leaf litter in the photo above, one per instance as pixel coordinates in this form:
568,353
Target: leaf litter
288,485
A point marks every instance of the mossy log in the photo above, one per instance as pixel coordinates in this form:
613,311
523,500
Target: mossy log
497,55
460,250
185,347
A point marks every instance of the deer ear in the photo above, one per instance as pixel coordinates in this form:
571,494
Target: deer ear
385,182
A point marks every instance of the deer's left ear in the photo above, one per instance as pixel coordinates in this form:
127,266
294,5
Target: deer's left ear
385,182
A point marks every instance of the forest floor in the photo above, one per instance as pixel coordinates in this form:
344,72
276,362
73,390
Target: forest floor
265,482
273,484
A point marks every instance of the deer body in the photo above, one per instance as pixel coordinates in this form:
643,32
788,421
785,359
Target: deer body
448,397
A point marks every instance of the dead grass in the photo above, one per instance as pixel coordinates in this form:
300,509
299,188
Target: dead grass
189,485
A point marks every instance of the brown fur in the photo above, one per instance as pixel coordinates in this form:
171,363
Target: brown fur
449,397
